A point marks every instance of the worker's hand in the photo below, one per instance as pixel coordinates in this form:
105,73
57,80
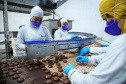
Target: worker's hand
83,51
73,36
82,59
105,45
68,68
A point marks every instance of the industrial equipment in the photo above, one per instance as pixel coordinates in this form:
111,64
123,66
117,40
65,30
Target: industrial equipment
44,48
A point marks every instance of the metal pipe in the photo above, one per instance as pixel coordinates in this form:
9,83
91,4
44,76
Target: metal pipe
6,30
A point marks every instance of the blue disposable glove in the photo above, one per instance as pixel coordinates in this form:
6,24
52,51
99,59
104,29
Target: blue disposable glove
68,68
105,45
72,36
82,59
83,51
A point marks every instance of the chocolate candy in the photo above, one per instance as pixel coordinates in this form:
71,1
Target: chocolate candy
19,80
48,76
56,78
49,81
15,76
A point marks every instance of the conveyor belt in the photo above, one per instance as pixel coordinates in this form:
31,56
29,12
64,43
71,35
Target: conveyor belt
37,49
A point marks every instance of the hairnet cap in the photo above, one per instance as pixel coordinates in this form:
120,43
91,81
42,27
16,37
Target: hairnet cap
36,11
63,20
107,7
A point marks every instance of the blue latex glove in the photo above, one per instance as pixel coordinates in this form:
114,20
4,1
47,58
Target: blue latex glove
72,36
83,51
68,68
82,59
105,45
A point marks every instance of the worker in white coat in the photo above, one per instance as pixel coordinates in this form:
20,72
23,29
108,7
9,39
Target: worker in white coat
34,31
111,61
62,32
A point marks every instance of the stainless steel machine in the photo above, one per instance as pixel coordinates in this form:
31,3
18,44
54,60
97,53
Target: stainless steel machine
44,48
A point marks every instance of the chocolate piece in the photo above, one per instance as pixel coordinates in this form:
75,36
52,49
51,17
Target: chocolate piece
10,68
30,82
36,67
43,68
31,69
11,73
28,66
85,72
14,70
65,77
4,75
27,61
50,66
18,61
10,65
3,69
15,76
22,62
15,64
42,65
19,80
66,81
77,60
48,76
65,61
60,74
51,63
60,59
65,57
57,64
47,71
49,81
54,73
59,67
56,78
19,66
5,72
56,61
18,72
60,70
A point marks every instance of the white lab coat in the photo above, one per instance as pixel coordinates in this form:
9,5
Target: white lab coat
27,33
60,34
111,66
31,32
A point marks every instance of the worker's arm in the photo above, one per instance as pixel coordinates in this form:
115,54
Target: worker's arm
95,59
58,37
98,50
48,35
20,40
77,77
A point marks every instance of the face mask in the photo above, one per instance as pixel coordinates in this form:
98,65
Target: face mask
65,27
37,24
112,28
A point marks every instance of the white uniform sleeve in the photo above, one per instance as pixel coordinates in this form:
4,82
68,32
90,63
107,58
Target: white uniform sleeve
77,77
20,40
58,37
48,35
98,50
96,59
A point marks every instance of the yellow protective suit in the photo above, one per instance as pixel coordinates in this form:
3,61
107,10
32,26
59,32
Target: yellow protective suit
108,6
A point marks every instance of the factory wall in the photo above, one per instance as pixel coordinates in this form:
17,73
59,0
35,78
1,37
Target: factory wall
86,16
